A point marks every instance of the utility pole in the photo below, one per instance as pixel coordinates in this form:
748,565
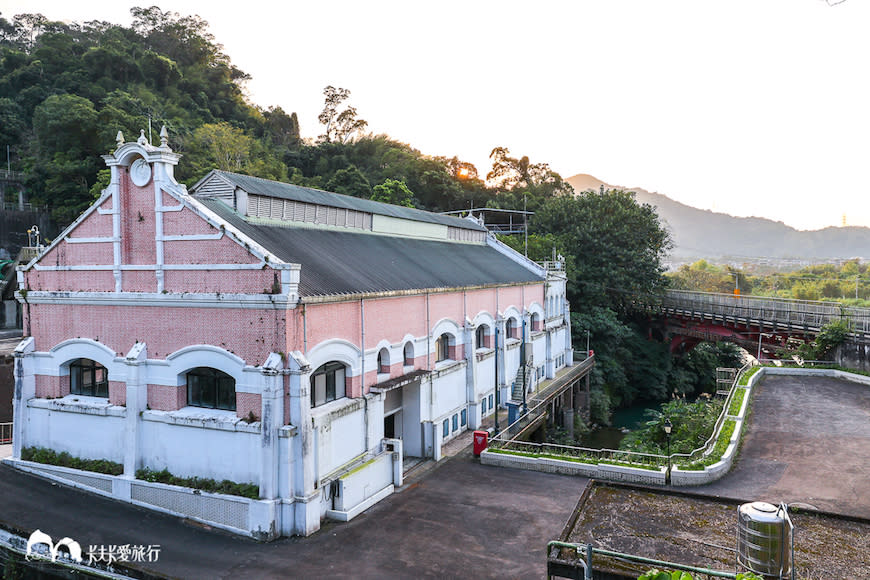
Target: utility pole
525,225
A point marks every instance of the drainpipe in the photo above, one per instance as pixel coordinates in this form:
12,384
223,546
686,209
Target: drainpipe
362,358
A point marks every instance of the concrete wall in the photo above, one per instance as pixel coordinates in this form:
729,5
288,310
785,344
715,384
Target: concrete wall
853,355
87,430
200,448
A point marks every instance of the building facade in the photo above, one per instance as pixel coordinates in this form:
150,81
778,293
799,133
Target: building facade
265,333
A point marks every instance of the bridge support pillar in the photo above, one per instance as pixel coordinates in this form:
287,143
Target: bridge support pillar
568,421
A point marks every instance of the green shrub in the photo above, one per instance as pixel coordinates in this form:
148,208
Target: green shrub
744,378
718,450
736,401
226,486
64,459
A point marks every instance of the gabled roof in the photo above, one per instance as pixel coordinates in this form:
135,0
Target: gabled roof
337,261
259,186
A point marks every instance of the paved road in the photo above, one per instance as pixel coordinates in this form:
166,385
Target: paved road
808,442
462,520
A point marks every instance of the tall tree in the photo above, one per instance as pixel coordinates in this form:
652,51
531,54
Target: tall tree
394,192
341,126
617,244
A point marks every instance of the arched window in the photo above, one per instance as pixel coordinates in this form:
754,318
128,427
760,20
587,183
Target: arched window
480,337
384,361
328,383
442,348
211,388
89,378
535,320
511,328
408,354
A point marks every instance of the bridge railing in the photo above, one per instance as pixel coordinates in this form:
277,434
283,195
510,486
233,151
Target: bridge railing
783,312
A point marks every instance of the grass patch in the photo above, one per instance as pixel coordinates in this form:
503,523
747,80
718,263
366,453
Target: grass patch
575,459
64,459
736,401
226,486
744,378
718,450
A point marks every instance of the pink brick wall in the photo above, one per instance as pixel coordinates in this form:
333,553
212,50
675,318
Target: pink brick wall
512,296
481,301
353,385
166,398
334,320
138,281
184,221
95,225
51,387
250,334
223,281
221,251
101,281
118,393
65,254
447,305
248,403
138,224
382,315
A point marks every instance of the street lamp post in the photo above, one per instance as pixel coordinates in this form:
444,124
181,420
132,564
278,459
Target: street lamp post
668,428
761,334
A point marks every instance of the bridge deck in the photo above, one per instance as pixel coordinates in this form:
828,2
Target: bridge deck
772,314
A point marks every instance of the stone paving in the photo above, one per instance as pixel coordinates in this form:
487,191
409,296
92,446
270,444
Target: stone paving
808,442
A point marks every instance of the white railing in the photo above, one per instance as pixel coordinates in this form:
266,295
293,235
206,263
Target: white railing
774,312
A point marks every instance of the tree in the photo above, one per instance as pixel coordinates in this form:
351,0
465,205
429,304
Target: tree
341,126
617,244
513,174
350,181
221,146
394,192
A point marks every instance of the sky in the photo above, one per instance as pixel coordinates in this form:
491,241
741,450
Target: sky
747,107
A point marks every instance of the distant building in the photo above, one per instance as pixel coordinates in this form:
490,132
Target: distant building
266,333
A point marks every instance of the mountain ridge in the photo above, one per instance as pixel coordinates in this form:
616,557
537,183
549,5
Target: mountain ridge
700,233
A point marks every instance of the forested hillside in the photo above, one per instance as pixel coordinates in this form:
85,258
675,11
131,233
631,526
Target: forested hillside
67,89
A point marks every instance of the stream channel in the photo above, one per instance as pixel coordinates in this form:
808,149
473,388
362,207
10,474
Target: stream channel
627,418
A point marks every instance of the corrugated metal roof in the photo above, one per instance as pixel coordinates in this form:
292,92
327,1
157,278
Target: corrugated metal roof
259,186
338,262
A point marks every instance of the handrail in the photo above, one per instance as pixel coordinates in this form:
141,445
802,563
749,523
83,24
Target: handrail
776,311
590,550
507,440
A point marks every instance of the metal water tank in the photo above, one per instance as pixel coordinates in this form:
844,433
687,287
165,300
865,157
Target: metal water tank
764,539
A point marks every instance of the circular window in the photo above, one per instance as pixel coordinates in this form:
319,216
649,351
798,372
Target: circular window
140,172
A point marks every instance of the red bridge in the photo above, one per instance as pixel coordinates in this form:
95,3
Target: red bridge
758,324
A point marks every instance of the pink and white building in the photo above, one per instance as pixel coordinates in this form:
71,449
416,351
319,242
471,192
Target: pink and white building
266,333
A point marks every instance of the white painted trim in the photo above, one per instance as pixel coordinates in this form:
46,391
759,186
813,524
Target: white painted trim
80,404
149,267
449,326
200,418
90,240
167,300
509,252
192,237
338,350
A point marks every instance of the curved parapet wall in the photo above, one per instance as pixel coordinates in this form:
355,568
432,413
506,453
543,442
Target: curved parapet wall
679,477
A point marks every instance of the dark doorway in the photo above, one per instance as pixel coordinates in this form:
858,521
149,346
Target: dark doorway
390,427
